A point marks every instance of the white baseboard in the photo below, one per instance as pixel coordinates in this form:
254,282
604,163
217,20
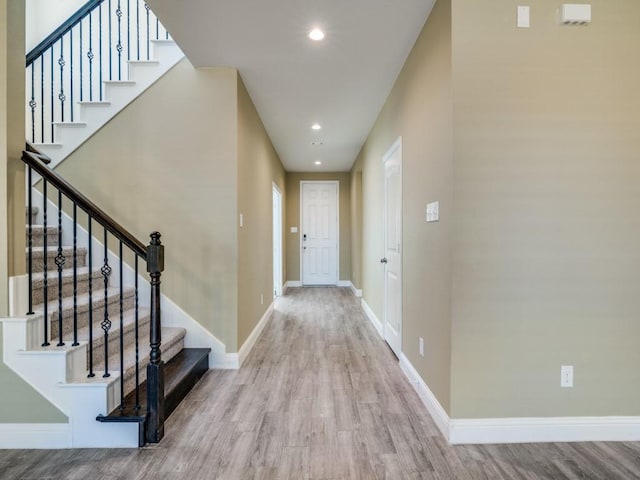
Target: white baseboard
538,429
371,316
343,283
248,344
230,361
197,336
292,284
35,435
356,291
429,400
521,430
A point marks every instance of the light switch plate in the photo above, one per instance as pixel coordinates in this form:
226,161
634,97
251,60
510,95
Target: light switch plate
294,229
433,212
524,18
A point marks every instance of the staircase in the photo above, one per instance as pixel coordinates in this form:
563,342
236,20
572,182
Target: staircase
92,341
90,68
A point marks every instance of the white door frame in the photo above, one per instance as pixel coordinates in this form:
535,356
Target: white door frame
277,241
337,184
396,147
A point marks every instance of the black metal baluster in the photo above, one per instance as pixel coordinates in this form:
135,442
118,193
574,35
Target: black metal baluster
90,258
119,45
121,333
90,57
32,103
100,50
106,323
138,29
42,98
75,274
71,74
52,109
61,95
80,59
137,406
60,263
30,240
147,8
110,43
128,30
44,258
157,29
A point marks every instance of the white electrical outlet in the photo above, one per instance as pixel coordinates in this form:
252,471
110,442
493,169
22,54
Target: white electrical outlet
421,346
566,376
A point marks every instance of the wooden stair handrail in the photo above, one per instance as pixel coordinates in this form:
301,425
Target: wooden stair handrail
37,160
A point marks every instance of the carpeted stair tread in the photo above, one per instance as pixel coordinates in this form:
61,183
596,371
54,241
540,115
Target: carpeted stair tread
172,343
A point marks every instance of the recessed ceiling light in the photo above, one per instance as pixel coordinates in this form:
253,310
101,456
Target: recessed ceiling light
316,34
316,126
318,162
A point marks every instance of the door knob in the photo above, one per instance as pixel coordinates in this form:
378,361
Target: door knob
383,260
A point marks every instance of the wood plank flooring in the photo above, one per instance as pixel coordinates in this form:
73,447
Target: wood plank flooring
320,397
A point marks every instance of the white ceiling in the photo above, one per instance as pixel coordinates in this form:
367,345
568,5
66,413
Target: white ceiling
340,82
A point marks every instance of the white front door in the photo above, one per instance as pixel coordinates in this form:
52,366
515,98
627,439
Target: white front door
392,259
277,242
319,233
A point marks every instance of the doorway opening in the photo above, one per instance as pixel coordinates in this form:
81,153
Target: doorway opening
277,241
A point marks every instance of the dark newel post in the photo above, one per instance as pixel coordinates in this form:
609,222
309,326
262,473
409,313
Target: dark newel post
155,369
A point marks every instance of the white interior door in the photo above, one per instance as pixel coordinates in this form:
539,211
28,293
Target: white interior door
319,233
392,259
277,242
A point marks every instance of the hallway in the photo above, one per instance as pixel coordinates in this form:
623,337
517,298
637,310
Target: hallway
322,397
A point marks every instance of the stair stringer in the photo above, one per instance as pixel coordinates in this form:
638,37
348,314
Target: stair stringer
60,376
172,314
117,95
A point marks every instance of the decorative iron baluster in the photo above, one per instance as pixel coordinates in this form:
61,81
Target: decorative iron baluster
30,240
59,260
121,331
106,323
52,109
137,339
90,258
119,46
62,63
42,98
44,258
90,57
100,50
33,104
138,29
147,8
75,274
128,30
157,29
71,75
110,44
80,59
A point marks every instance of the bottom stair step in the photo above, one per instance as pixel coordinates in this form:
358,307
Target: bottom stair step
181,374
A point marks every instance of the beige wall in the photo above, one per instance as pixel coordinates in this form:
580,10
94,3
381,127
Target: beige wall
547,229
356,229
168,162
419,109
293,220
19,403
259,168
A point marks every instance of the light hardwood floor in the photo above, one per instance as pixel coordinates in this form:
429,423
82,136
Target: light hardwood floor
320,397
